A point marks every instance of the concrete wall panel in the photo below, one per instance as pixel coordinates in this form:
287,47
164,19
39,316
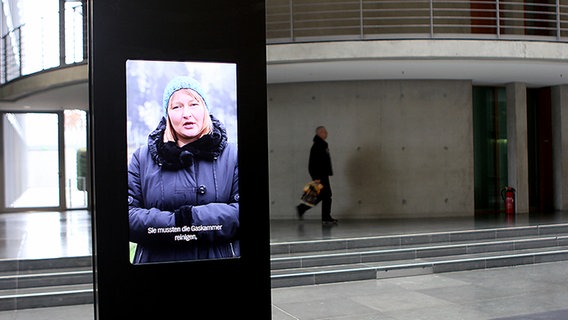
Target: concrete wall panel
399,148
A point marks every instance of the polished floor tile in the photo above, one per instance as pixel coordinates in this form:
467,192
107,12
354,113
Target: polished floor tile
36,235
479,294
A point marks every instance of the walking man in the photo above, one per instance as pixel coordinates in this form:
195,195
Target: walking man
320,169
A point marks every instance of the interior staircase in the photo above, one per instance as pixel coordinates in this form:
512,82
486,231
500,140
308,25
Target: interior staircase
38,283
336,260
69,281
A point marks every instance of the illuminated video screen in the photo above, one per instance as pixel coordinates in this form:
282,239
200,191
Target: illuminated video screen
183,179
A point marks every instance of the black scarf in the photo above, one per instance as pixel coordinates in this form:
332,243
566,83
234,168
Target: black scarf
171,157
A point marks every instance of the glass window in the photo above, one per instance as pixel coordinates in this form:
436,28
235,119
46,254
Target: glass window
31,160
76,162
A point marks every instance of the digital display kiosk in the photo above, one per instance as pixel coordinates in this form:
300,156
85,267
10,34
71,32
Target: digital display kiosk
179,159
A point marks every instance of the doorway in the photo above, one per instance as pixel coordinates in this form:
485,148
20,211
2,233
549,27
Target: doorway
490,147
43,165
539,115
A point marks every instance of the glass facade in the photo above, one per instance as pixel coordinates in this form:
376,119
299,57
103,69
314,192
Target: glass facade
45,163
31,160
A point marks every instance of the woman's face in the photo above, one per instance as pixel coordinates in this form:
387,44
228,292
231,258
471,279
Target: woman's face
186,115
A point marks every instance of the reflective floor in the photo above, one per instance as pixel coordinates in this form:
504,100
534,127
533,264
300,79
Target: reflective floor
33,235
526,292
311,228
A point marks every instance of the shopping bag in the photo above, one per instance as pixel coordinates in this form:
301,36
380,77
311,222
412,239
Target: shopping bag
310,194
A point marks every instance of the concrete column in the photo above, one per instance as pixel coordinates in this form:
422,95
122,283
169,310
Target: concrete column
517,144
560,147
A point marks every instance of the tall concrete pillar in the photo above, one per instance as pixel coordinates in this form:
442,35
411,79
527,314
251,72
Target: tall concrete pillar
517,144
560,147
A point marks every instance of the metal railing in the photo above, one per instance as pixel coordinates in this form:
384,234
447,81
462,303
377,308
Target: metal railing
24,52
331,20
44,44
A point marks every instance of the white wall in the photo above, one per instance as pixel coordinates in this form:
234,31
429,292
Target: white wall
399,148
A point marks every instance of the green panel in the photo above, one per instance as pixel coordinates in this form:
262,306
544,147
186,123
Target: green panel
490,146
81,169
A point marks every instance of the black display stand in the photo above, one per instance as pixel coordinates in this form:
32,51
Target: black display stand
179,30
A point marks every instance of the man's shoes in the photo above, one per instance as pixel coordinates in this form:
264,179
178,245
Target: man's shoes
329,221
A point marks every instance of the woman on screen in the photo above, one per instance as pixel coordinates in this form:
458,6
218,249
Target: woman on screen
183,189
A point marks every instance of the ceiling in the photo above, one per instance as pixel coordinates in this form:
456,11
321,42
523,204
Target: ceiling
480,72
75,96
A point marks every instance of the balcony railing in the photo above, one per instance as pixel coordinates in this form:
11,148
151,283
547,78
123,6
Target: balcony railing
332,20
25,51
54,41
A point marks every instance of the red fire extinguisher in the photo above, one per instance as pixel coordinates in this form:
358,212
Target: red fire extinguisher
508,195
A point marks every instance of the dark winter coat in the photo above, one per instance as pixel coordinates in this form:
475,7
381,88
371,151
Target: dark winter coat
202,179
319,164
